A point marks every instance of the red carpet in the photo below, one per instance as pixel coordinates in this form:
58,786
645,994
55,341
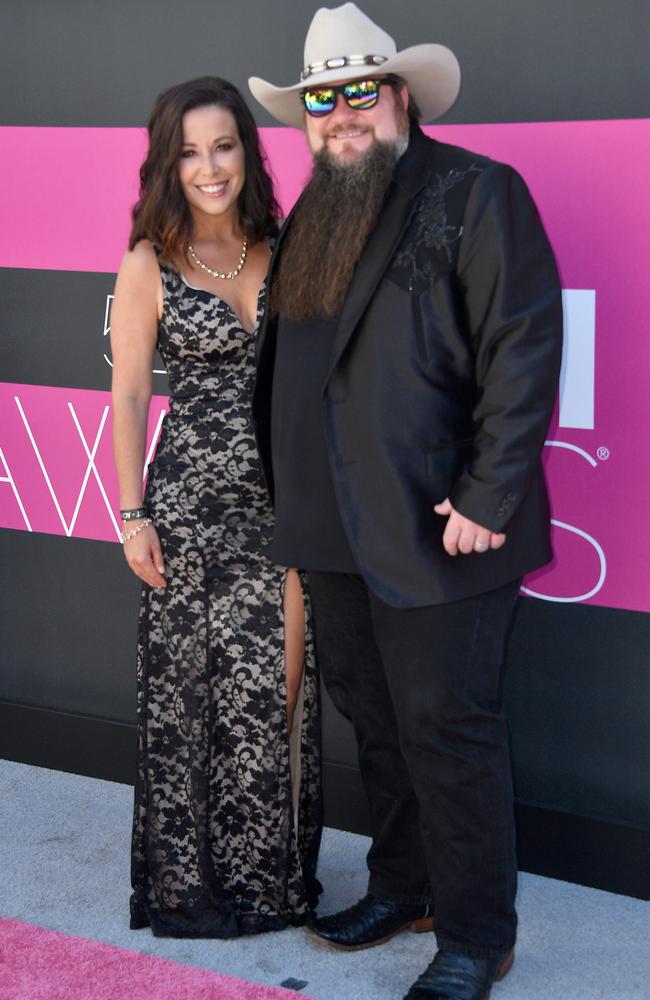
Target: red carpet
37,964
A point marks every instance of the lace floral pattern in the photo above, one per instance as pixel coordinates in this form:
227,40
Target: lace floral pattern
216,849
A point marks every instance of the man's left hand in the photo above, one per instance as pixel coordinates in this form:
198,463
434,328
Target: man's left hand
465,536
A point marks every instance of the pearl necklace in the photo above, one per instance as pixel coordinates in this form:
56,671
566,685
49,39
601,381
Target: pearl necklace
229,275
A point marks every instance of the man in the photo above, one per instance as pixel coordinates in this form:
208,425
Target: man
407,374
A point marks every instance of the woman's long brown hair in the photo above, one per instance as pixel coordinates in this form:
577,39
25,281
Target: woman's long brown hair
162,214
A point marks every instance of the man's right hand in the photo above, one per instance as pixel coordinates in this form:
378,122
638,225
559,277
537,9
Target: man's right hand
465,536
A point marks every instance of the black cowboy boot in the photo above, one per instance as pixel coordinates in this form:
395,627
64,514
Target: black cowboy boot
459,977
371,921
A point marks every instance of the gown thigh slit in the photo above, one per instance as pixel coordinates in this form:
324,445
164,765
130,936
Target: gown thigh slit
224,841
294,638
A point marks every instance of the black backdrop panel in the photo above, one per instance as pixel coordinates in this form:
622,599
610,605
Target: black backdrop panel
79,63
577,681
580,743
573,692
52,327
69,611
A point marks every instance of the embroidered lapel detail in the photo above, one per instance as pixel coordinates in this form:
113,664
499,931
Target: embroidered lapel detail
430,249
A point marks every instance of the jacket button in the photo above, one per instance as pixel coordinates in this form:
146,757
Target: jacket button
505,504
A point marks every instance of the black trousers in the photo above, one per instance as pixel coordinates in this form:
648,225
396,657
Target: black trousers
423,690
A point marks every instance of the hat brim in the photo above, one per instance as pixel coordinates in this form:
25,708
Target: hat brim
431,72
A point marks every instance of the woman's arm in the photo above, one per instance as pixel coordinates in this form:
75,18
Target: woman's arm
136,309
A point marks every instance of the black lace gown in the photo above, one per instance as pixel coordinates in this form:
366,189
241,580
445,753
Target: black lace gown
220,845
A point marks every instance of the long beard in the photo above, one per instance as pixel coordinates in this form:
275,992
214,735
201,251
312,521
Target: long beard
329,229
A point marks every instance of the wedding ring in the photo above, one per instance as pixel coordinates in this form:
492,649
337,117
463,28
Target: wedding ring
481,546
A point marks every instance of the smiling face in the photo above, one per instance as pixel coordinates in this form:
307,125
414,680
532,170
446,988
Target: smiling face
212,163
348,133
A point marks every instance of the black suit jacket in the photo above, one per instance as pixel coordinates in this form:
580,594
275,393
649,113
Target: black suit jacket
442,379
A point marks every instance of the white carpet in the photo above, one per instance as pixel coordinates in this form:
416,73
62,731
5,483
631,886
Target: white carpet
64,844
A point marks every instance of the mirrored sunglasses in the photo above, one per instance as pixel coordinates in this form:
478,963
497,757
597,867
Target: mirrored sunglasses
359,95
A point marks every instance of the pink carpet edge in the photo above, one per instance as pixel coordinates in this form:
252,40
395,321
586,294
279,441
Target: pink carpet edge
41,964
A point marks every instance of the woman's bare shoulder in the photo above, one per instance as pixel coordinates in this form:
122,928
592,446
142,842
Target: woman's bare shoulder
142,260
139,270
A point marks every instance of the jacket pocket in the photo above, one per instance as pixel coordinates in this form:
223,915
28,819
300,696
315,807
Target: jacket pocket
465,442
424,352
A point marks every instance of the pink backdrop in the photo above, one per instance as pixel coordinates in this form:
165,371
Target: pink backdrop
590,182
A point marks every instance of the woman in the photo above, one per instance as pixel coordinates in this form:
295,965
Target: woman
222,843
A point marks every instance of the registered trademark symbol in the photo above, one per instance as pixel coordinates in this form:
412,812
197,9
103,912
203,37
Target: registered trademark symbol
603,454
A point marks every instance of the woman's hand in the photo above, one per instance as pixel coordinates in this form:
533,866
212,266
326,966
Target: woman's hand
144,555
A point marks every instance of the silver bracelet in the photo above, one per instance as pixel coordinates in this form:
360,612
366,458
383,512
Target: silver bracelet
125,536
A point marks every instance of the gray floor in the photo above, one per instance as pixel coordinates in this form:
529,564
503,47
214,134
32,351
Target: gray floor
64,843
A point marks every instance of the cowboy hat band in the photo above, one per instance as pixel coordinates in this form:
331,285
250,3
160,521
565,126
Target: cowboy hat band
339,62
342,44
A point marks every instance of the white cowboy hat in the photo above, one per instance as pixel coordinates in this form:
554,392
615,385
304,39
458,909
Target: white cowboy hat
344,44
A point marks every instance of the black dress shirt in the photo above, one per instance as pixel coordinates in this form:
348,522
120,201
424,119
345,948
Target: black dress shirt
308,529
